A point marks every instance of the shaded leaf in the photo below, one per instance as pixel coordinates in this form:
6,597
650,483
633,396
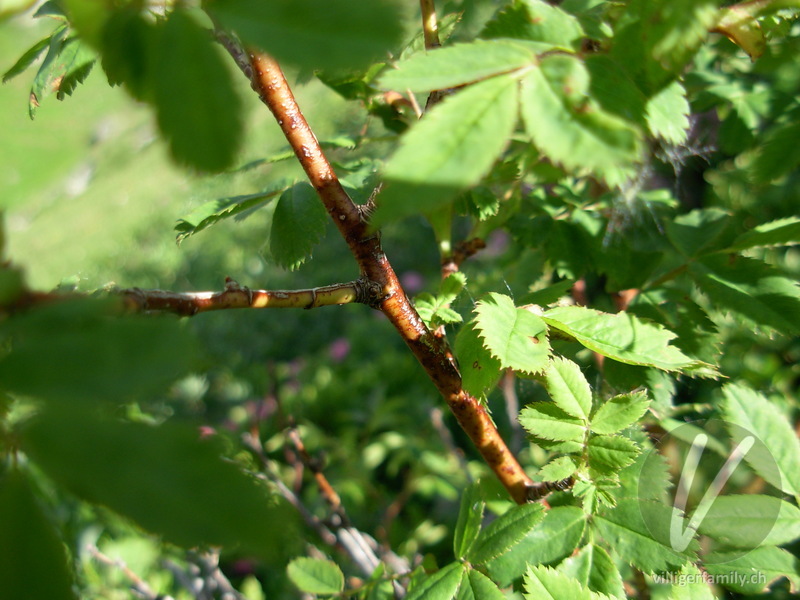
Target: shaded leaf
699,232
315,35
316,575
639,531
470,129
620,336
515,336
504,532
752,289
778,152
30,56
83,349
753,572
757,415
456,65
469,520
128,47
536,21
782,232
759,521
166,478
477,586
551,540
593,568
197,108
298,224
33,561
739,24
568,127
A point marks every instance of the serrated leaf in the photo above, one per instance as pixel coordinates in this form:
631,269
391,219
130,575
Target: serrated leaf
102,460
699,232
197,108
558,469
547,421
551,540
568,388
759,521
30,56
477,586
782,232
639,531
298,224
667,114
610,454
515,336
568,127
29,546
213,212
619,412
593,568
440,586
470,516
49,71
739,24
754,413
128,44
314,35
752,289
543,583
752,573
451,287
480,371
316,575
471,129
456,65
79,349
504,532
690,584
620,336
535,21
778,152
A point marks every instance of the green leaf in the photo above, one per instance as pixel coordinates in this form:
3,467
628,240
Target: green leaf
783,232
315,35
213,212
535,21
610,454
753,572
316,576
451,287
568,388
550,541
456,65
699,232
505,532
757,415
480,371
558,469
81,349
166,478
469,520
30,56
298,224
543,583
547,421
639,531
759,521
593,568
778,154
452,148
688,584
568,127
620,336
77,59
33,561
198,110
549,294
515,336
752,289
52,67
619,412
667,114
440,586
477,586
128,50
740,25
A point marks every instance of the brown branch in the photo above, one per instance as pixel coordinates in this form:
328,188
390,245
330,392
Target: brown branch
430,26
433,354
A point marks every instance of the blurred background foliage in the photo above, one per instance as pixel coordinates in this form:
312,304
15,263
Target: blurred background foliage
91,197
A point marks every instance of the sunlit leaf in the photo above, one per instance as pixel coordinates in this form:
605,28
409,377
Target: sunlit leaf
470,516
298,224
536,21
547,421
619,412
440,586
505,532
480,371
609,454
774,233
568,388
316,576
759,521
593,568
753,572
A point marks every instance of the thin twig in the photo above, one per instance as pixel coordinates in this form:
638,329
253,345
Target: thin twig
139,586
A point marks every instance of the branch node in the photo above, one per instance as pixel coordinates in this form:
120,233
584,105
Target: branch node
369,292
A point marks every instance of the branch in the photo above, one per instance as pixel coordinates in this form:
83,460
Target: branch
430,27
139,586
432,353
